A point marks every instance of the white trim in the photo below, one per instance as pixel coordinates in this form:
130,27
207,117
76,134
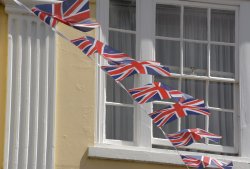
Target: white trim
244,71
22,146
152,155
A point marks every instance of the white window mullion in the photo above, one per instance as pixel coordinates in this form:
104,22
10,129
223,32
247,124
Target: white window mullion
145,12
244,71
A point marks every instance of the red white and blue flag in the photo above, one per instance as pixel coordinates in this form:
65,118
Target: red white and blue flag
187,137
89,46
85,45
154,91
120,72
178,110
202,162
45,17
74,13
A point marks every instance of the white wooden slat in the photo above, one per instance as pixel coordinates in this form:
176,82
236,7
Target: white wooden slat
42,102
51,103
29,138
17,99
9,94
35,97
25,111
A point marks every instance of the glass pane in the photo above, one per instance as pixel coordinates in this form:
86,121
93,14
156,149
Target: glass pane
168,20
195,58
222,25
119,123
195,88
222,123
117,94
221,95
172,82
171,127
195,23
192,121
222,61
123,42
122,14
168,53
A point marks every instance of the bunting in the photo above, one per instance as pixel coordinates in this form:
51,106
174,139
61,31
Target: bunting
187,137
76,14
178,110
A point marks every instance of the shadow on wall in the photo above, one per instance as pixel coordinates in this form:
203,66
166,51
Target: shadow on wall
94,163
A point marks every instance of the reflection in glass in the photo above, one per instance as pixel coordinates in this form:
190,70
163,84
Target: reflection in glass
168,20
195,58
123,42
168,53
195,88
222,61
117,94
119,123
222,25
222,123
122,14
221,95
195,23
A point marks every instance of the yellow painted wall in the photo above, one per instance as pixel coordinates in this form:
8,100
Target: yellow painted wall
75,109
3,76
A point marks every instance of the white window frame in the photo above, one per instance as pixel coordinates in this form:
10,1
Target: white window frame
242,32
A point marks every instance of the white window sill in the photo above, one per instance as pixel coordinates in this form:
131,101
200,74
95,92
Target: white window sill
152,155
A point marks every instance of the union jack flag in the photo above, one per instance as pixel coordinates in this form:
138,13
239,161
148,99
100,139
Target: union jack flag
154,91
89,46
178,110
74,13
202,162
187,137
85,45
120,72
44,17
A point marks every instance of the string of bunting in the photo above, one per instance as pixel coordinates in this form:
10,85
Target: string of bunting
76,14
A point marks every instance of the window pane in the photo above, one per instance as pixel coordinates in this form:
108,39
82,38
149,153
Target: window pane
191,122
222,61
116,94
168,53
221,95
168,20
195,88
172,82
195,58
119,123
122,14
123,42
222,123
222,25
168,128
195,23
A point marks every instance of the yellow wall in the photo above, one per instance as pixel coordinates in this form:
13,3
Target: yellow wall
75,109
3,76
